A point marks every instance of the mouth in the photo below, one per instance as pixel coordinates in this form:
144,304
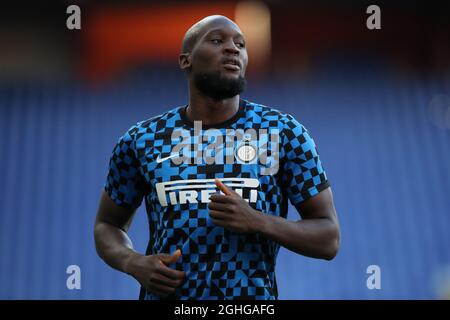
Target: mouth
231,64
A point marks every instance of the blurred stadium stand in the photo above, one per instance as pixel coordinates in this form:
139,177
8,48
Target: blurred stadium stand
376,102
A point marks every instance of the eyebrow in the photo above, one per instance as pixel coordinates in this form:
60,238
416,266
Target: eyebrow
218,30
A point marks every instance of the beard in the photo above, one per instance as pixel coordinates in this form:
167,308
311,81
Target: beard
218,87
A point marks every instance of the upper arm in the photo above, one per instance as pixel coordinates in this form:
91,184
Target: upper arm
303,176
320,206
124,188
113,214
125,184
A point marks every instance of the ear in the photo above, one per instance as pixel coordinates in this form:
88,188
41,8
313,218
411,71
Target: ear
184,61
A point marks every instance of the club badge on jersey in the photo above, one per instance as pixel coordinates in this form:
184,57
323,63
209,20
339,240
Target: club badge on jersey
246,151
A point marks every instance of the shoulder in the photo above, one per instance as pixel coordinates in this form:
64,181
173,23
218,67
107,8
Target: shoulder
154,124
274,117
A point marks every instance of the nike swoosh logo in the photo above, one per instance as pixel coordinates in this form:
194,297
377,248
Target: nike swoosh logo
159,159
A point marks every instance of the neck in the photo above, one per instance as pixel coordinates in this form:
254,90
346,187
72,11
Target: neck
209,110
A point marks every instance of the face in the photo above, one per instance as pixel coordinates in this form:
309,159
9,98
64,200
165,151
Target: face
218,61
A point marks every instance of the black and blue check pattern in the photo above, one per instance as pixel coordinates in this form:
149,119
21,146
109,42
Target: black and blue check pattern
219,264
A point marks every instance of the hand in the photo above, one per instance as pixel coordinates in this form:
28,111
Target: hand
152,272
231,211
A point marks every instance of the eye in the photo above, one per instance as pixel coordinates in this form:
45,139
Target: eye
216,41
240,45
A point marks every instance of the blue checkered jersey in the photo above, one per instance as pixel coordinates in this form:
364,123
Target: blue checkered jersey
263,154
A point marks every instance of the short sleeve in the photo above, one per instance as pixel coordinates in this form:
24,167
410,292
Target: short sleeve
302,173
124,183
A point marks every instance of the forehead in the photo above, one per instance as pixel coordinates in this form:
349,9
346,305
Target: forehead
221,26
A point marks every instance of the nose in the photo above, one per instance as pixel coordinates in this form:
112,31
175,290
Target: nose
230,47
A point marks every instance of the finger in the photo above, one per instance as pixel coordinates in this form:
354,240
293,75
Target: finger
171,273
221,198
167,259
218,215
217,206
220,223
160,289
222,187
163,280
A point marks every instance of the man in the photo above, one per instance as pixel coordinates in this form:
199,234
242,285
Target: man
206,244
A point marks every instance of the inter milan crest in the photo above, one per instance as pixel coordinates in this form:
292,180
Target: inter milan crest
246,151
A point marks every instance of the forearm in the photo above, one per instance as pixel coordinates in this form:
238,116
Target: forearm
113,246
317,238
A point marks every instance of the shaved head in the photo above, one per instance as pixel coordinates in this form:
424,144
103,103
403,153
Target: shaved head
214,57
198,29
